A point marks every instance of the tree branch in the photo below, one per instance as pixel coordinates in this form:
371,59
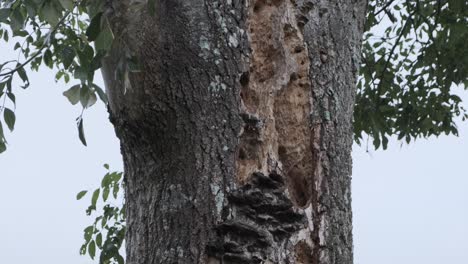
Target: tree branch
385,7
39,50
392,51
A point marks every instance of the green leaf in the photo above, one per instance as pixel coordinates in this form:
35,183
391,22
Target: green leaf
48,59
99,240
17,20
104,222
106,166
86,55
2,147
8,84
94,27
59,75
106,37
50,13
81,195
116,176
1,133
9,118
106,180
31,7
22,73
92,249
105,193
88,233
4,14
84,96
102,95
384,142
80,131
92,99
67,4
120,259
83,250
68,55
81,74
95,197
73,94
115,191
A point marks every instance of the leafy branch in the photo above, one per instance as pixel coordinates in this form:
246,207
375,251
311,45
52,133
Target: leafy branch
107,233
416,63
392,52
39,51
384,8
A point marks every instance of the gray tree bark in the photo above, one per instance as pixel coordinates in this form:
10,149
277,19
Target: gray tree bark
236,133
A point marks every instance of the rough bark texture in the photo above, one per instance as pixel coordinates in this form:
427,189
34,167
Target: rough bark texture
236,134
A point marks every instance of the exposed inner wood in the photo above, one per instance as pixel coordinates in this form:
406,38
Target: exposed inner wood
303,253
276,100
275,165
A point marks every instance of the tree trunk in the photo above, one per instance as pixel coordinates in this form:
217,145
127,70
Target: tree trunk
236,132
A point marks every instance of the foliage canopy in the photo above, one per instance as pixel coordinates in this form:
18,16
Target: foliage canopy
407,79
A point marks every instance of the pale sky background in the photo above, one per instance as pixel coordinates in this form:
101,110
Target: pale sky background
410,202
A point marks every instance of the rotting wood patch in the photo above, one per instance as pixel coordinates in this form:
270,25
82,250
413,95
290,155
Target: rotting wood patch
271,215
276,100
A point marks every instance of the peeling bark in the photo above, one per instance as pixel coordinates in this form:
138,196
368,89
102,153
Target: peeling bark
236,134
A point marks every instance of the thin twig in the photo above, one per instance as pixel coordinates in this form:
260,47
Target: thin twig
384,7
39,50
392,51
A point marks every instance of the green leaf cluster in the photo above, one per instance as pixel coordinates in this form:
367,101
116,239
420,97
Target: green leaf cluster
69,36
409,73
107,233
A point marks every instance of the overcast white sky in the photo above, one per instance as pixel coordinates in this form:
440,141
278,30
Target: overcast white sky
410,203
